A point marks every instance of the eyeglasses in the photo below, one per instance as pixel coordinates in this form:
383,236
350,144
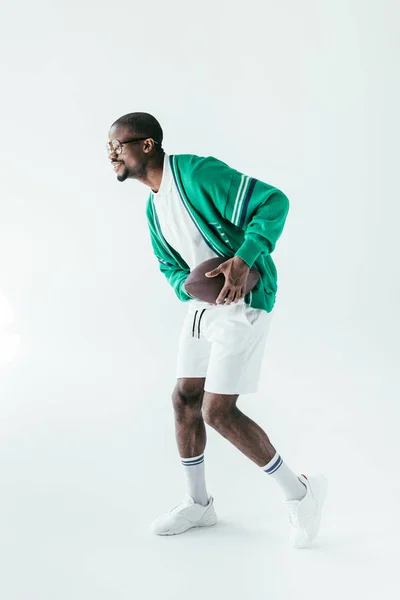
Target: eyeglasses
115,147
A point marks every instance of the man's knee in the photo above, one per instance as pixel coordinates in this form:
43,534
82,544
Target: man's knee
218,409
188,393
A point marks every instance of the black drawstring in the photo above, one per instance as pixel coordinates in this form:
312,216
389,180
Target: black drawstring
201,316
194,322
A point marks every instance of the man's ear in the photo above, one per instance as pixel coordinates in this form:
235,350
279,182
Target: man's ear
148,145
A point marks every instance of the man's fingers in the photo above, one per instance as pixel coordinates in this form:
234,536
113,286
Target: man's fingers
213,273
238,296
230,297
222,295
226,296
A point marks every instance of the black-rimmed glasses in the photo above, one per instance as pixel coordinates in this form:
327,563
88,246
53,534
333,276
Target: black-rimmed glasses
115,146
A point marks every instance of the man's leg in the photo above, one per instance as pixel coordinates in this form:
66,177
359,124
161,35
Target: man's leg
190,430
191,435
197,509
222,414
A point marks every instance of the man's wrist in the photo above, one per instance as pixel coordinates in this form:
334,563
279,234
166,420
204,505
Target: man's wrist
239,260
249,251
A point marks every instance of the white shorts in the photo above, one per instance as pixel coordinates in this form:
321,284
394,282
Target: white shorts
224,344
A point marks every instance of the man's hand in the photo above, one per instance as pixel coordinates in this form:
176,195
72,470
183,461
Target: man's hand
236,272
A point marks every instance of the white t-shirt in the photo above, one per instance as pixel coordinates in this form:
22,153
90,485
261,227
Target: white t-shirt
177,226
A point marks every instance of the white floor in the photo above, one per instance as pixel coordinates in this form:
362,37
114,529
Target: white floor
88,460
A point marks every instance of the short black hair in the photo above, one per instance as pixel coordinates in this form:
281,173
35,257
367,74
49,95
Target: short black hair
142,124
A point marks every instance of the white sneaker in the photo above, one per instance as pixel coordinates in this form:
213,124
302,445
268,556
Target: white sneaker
186,515
305,514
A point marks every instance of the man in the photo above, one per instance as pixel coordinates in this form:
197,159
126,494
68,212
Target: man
199,208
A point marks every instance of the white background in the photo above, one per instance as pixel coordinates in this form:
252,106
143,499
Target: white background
303,95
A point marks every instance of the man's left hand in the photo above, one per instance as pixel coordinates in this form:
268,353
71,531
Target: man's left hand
236,272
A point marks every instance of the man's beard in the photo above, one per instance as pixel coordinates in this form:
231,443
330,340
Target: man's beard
138,173
124,175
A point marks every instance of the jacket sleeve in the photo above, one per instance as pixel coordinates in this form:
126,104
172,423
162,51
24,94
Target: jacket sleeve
262,215
255,207
176,277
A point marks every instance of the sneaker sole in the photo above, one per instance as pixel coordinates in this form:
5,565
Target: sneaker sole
205,524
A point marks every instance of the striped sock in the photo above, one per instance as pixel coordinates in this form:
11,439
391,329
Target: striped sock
293,488
195,478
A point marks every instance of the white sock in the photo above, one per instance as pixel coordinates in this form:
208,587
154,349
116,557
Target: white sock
293,488
195,477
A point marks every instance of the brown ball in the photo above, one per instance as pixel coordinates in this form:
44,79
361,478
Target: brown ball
208,288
